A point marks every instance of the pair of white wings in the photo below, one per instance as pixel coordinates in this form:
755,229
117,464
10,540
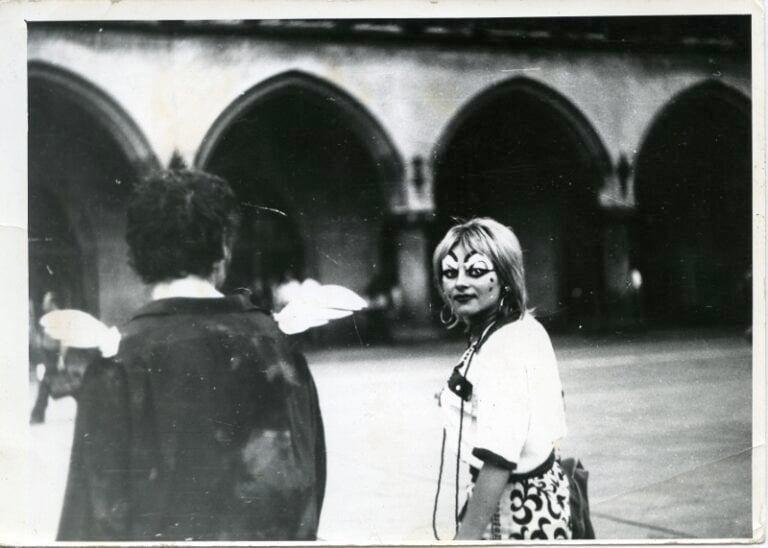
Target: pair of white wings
314,305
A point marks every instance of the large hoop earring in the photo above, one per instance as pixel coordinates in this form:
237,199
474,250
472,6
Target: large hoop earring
501,301
451,318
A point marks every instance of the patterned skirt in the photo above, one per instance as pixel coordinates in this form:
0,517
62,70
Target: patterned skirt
533,506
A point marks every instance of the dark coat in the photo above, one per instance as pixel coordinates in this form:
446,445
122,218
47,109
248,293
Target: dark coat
205,426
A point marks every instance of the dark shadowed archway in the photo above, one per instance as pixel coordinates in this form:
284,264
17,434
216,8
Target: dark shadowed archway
523,154
84,154
316,175
693,238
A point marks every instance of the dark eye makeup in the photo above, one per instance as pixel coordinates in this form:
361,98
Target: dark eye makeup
472,272
478,272
450,273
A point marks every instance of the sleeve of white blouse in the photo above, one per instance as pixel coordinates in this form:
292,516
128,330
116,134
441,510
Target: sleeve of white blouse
503,407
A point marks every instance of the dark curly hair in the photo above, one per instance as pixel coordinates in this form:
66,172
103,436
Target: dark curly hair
178,221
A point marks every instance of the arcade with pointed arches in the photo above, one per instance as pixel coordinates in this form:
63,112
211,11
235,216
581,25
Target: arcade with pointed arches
524,154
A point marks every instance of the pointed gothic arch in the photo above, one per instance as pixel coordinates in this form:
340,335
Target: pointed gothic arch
85,151
692,241
525,154
317,176
102,107
388,162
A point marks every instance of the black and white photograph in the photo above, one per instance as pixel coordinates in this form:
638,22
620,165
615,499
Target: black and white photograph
351,273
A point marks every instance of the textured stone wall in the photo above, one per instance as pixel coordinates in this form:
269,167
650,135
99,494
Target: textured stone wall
173,89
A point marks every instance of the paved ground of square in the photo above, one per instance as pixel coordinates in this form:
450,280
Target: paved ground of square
661,420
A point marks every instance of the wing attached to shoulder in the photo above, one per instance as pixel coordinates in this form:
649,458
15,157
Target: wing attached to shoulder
78,329
316,305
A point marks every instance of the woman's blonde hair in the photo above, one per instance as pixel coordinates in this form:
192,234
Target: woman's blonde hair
497,242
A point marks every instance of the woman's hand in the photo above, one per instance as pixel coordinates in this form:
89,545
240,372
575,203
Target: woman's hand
485,499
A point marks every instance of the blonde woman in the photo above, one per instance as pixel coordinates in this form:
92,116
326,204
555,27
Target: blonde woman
503,401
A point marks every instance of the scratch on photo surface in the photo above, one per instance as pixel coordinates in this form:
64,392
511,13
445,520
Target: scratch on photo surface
650,526
642,525
525,69
265,208
679,475
605,198
334,261
357,332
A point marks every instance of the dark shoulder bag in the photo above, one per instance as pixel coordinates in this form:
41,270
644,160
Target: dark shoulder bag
577,477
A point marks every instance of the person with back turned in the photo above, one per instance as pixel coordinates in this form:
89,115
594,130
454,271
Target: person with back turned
205,425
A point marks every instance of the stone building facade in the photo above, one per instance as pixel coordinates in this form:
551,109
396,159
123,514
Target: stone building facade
618,149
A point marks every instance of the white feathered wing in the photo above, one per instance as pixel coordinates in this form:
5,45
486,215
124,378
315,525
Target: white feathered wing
316,305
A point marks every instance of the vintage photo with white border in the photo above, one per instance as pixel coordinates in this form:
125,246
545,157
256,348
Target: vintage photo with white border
358,272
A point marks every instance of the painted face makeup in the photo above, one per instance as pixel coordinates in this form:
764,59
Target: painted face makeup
470,283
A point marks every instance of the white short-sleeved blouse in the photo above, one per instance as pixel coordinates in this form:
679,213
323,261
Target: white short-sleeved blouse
516,412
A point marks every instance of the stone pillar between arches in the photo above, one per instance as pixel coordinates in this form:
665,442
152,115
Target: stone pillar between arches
413,271
622,292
